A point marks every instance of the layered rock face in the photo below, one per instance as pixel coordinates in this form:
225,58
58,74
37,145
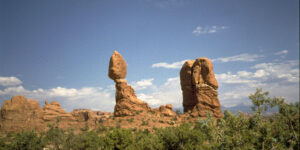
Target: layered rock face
127,103
53,111
199,88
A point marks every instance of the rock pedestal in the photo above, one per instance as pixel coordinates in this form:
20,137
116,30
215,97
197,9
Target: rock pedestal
199,88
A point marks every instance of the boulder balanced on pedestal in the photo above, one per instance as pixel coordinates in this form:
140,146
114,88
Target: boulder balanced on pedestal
127,103
199,88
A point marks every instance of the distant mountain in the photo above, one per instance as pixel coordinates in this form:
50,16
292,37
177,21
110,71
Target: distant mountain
247,109
238,108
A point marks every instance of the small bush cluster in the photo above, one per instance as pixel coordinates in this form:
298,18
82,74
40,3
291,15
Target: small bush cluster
255,131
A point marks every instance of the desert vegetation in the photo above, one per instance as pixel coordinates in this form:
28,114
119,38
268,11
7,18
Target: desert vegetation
242,131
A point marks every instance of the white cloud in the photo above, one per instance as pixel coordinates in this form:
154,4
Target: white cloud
9,81
62,92
280,79
281,53
240,78
13,90
174,65
150,99
142,84
287,71
167,93
260,73
208,30
234,96
242,57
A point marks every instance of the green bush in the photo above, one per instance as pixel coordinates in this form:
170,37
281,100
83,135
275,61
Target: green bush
117,139
86,141
24,140
56,137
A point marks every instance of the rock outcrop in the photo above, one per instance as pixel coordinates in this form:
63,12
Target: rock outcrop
167,110
53,111
199,88
19,113
127,103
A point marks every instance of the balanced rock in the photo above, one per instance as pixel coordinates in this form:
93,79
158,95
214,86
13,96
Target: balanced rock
199,87
127,103
117,66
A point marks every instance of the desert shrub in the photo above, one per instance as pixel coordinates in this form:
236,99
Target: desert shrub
101,128
130,120
25,140
138,112
152,112
145,123
182,137
69,140
178,112
56,137
118,125
3,145
144,140
117,139
88,140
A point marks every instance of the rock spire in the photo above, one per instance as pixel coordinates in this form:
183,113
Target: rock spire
199,88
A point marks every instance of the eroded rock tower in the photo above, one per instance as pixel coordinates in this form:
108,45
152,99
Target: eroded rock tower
127,103
199,88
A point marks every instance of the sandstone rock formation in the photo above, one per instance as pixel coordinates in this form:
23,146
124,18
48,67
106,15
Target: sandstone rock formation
187,86
19,113
199,87
198,83
86,115
117,66
167,110
53,111
127,103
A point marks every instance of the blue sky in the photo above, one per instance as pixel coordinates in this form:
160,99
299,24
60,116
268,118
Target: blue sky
60,50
